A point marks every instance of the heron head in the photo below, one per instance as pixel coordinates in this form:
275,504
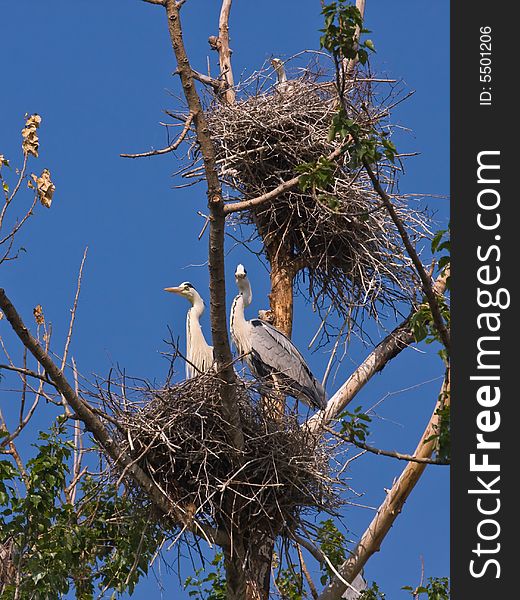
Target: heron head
184,289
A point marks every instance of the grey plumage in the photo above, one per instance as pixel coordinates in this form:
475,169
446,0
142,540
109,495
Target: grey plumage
268,351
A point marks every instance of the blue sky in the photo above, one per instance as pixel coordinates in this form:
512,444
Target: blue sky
99,74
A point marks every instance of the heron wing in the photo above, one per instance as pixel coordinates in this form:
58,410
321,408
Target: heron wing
272,351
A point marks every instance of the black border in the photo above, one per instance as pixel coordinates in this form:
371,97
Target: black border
475,128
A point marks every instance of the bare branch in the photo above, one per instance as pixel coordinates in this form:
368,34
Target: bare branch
390,453
224,52
173,146
27,372
387,513
425,279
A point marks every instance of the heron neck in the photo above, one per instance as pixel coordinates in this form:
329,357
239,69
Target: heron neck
195,340
246,293
282,77
238,323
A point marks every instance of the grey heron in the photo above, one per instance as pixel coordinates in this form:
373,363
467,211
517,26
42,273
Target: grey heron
282,85
268,351
199,353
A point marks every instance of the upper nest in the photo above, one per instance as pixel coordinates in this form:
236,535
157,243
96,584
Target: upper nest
180,438
341,235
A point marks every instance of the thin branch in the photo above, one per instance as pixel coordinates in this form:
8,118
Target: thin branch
305,571
390,453
173,146
158,2
27,372
389,510
425,279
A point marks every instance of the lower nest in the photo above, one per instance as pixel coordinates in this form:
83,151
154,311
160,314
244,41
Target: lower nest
180,438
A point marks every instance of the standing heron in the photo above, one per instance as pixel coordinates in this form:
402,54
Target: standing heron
282,85
199,353
268,351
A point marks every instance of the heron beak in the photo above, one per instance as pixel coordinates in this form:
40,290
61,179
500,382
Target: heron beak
173,290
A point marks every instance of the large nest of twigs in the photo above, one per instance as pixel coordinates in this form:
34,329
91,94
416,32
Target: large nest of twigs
180,438
343,238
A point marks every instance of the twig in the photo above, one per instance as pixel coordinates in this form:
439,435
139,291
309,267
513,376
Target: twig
173,146
27,372
390,453
425,280
305,571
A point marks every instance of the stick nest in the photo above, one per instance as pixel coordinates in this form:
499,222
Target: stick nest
340,237
179,437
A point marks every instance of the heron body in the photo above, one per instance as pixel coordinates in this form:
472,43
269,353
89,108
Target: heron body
199,353
268,351
283,85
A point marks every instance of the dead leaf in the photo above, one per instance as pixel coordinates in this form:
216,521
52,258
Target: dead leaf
30,141
45,187
1,315
38,315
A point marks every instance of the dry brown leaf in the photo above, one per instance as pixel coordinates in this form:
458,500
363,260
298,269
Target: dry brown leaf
1,315
45,187
30,142
38,315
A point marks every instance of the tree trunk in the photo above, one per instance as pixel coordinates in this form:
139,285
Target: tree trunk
248,571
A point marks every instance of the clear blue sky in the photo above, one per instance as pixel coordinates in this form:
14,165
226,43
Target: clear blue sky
98,74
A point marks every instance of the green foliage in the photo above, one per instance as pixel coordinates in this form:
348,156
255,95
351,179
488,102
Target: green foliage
316,175
354,425
441,243
210,586
339,36
290,584
372,593
333,544
102,540
423,325
437,588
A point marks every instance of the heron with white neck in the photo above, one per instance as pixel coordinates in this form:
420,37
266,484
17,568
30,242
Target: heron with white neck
268,351
199,353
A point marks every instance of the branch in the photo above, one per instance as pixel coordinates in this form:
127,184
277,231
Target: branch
224,52
158,2
351,64
371,540
277,191
390,453
217,284
27,372
173,146
93,424
399,339
425,279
